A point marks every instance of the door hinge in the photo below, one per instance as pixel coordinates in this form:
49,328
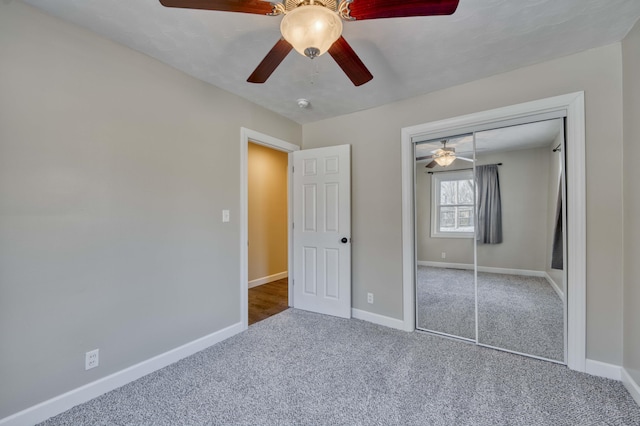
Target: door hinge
293,225
293,169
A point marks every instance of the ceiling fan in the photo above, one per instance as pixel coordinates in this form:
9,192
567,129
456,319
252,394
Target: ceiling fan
443,156
313,27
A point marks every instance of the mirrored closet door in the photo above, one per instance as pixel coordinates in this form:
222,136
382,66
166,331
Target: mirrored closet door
489,238
444,195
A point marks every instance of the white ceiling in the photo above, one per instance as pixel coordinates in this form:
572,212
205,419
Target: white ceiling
524,136
407,56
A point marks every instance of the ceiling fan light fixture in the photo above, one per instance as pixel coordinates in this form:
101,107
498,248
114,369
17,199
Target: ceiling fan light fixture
445,159
311,29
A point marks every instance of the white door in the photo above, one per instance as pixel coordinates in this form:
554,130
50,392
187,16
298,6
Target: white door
322,230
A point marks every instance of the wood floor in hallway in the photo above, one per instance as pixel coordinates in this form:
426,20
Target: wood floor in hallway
268,299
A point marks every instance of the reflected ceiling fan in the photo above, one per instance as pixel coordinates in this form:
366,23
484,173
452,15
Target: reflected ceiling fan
443,156
313,27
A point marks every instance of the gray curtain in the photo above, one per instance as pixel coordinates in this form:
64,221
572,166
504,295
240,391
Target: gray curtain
557,255
489,205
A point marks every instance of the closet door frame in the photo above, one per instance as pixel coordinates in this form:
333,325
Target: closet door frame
572,107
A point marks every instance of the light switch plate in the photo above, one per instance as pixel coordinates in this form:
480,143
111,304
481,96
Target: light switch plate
225,215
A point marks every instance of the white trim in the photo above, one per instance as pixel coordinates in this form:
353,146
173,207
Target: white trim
408,234
631,385
571,104
491,269
268,279
64,402
280,145
555,286
507,271
603,369
445,264
576,270
377,319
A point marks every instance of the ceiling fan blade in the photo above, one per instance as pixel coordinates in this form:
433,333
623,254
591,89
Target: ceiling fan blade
424,158
350,63
374,9
465,159
431,165
246,6
270,62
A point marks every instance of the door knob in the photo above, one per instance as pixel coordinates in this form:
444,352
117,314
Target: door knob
344,240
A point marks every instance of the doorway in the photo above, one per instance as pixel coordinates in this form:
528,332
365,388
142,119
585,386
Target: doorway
247,137
267,177
322,239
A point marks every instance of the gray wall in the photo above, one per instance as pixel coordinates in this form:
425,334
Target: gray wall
376,178
114,170
458,250
523,188
631,70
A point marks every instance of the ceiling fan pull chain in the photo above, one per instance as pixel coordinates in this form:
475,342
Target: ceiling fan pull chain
315,71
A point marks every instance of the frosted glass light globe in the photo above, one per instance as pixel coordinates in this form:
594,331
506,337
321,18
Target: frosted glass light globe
445,159
311,29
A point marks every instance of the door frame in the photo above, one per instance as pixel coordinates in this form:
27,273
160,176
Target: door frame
246,136
575,174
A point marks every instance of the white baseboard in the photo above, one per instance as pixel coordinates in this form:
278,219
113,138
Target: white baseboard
631,386
494,270
602,369
445,264
268,279
555,286
64,402
377,319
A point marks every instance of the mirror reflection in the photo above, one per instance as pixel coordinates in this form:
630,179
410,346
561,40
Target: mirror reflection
444,185
519,239
489,238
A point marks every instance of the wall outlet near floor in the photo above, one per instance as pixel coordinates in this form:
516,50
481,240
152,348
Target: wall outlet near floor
444,255
92,359
369,297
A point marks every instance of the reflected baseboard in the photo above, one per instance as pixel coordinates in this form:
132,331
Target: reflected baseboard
445,264
494,270
603,369
555,286
521,272
631,385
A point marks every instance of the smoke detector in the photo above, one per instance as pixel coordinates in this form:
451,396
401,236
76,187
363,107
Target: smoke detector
303,103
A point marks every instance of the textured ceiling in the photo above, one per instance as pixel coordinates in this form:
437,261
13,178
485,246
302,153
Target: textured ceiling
407,56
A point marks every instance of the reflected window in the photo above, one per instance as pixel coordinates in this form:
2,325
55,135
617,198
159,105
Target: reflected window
452,202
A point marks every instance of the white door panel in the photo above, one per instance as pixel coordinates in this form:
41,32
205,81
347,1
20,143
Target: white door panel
322,221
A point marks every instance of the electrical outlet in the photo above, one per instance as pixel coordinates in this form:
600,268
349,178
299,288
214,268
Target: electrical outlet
92,359
369,297
444,255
